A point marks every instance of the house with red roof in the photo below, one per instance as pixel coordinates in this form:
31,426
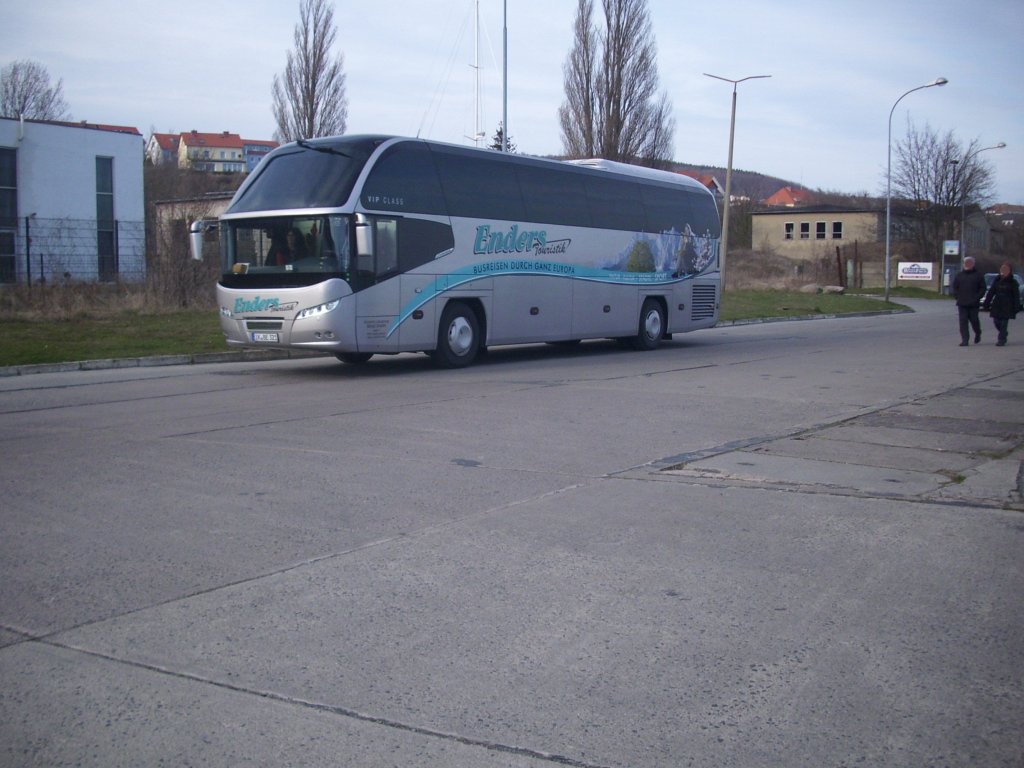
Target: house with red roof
163,148
222,152
789,197
708,181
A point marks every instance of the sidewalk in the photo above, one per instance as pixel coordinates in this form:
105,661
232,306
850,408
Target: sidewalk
926,450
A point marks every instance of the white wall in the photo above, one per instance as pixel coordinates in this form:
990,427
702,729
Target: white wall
57,181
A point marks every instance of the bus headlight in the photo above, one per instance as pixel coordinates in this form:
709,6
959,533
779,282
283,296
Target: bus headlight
321,309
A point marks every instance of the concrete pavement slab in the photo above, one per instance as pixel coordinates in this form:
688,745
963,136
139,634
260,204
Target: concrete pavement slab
1000,481
760,467
867,436
638,623
124,715
813,446
980,424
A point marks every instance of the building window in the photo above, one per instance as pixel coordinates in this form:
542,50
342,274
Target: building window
819,230
7,270
8,188
837,230
789,230
106,234
805,230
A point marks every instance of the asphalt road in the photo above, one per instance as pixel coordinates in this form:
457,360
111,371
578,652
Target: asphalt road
784,544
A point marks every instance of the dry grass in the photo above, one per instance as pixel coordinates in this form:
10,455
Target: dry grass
760,270
75,301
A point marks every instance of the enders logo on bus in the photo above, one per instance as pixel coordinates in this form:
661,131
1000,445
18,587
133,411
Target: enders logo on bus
512,241
256,304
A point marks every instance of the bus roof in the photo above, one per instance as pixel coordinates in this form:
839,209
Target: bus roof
640,171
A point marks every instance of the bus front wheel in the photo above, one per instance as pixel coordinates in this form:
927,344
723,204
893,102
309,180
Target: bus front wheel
458,336
651,327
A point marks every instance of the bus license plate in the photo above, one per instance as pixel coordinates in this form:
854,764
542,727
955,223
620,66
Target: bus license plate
271,338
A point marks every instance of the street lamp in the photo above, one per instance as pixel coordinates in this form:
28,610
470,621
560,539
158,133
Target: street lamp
942,259
728,174
963,200
888,181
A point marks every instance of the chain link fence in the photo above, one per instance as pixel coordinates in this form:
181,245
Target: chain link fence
55,251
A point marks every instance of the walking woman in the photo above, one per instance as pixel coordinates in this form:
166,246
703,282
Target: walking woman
1002,300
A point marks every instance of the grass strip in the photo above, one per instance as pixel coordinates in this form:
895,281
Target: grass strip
134,333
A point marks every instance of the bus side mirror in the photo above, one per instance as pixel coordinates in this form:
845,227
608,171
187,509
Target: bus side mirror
364,235
196,230
364,244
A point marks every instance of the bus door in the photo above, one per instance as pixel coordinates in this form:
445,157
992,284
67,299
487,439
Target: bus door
375,280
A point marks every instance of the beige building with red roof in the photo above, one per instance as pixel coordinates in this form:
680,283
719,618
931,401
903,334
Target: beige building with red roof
218,152
223,152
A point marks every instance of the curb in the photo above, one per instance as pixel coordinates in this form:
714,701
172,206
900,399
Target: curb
760,320
243,356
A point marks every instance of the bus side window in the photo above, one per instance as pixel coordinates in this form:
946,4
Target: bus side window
421,241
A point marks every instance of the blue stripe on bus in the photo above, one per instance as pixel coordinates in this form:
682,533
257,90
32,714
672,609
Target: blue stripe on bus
539,267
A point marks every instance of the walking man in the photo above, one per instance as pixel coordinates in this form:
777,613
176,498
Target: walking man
969,290
1003,301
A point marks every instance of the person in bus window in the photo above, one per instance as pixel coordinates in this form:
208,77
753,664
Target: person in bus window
277,251
293,249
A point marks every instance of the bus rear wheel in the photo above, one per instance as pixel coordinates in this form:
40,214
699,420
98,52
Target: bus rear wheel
651,327
458,336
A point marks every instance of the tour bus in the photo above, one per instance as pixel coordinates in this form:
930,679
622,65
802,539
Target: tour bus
364,245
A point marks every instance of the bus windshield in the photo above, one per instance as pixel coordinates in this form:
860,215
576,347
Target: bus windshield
317,174
311,248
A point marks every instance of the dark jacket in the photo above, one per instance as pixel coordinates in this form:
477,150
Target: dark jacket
968,288
1003,298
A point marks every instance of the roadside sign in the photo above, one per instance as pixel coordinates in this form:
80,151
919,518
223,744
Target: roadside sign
950,247
914,270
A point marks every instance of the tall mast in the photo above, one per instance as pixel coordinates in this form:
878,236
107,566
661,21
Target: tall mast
504,79
478,133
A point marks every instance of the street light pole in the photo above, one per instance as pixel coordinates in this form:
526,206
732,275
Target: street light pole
942,260
504,78
888,181
963,198
728,174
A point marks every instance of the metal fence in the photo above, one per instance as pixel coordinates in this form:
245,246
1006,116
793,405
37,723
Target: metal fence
37,250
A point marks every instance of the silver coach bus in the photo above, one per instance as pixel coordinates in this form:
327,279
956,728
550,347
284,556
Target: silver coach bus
364,245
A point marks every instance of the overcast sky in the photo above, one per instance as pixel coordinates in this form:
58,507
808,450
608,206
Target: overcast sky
821,120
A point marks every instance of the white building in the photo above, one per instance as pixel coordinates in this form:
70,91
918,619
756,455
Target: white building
71,202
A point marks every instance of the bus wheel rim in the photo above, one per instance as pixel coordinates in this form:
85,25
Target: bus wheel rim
460,336
652,324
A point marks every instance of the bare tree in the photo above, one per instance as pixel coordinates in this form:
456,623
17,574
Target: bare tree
309,99
25,91
936,177
577,114
612,108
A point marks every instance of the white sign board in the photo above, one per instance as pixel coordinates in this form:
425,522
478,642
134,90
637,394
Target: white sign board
915,270
950,247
